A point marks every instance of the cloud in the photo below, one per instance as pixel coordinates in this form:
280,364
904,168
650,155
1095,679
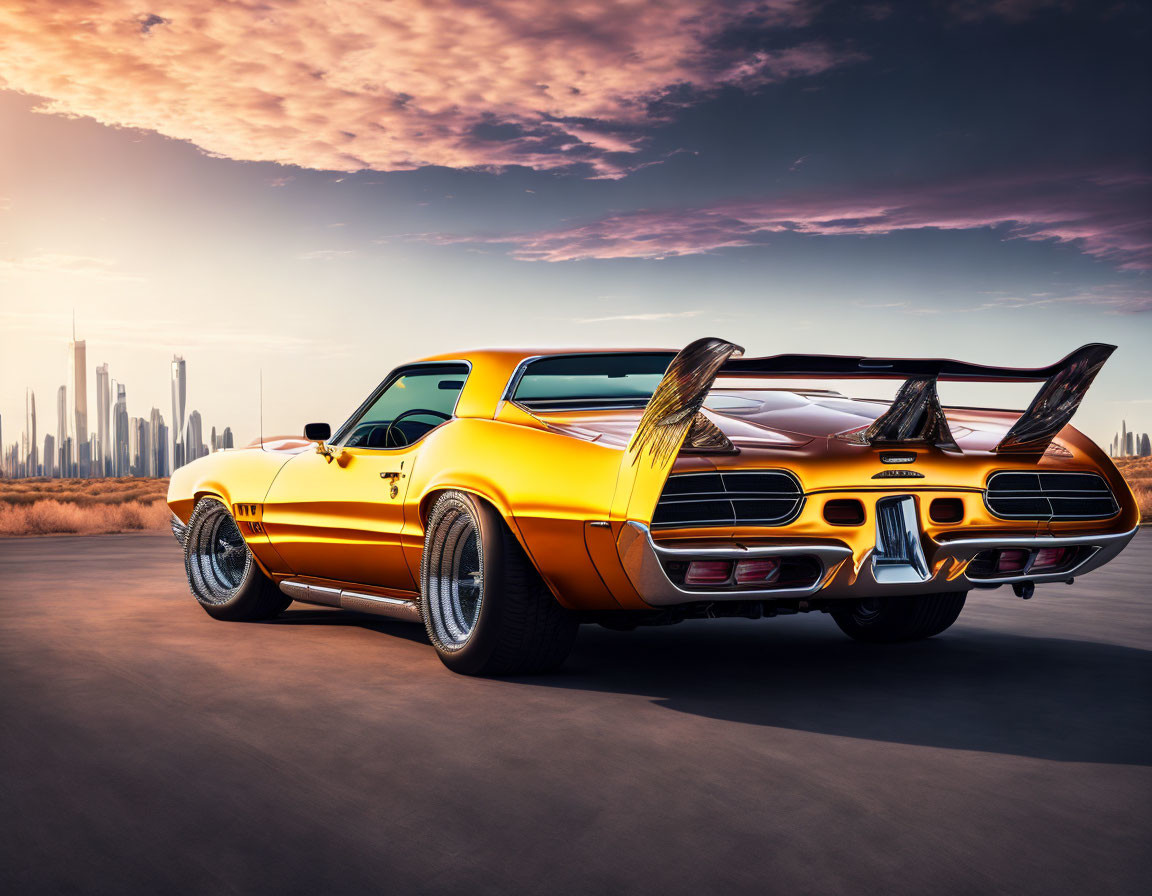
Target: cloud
326,254
1105,217
359,84
69,265
654,315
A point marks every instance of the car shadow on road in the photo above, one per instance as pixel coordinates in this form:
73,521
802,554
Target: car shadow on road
321,616
969,689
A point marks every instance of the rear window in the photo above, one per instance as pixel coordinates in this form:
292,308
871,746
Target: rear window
591,381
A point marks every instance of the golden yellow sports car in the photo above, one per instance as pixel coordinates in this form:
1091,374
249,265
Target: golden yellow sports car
502,498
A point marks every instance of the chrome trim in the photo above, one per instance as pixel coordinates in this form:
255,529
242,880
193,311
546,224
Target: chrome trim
348,599
898,558
1041,494
393,607
643,560
799,499
1106,548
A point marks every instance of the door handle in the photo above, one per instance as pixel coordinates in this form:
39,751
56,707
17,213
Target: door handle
391,475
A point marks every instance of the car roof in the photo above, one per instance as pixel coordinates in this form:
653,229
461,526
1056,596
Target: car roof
492,369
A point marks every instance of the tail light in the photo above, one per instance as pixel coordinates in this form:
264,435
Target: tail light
757,572
1011,561
1050,558
708,572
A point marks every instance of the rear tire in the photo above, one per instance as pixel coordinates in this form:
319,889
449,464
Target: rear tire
883,620
222,573
485,608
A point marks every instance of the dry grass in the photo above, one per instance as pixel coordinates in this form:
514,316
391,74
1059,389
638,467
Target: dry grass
1138,472
82,506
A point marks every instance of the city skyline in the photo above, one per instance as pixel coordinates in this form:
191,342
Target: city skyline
962,180
119,445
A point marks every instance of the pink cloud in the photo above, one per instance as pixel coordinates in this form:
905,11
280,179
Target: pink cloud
355,84
1106,217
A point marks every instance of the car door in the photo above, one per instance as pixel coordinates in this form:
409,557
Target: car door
339,516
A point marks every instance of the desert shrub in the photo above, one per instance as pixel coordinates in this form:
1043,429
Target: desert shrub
52,517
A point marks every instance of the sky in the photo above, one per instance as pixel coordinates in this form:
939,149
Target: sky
316,192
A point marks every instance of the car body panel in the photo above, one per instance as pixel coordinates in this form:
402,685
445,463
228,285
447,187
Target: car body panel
578,488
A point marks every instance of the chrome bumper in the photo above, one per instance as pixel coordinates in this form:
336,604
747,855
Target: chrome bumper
840,578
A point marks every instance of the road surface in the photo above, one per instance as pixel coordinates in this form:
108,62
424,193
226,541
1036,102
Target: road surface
147,748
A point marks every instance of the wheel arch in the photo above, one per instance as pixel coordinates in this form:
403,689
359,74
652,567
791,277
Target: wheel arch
490,496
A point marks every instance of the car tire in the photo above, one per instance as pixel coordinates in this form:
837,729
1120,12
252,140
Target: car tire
884,620
485,608
222,573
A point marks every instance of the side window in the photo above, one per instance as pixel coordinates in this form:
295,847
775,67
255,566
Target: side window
415,401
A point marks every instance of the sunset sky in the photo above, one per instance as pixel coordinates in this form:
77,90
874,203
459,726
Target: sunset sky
324,190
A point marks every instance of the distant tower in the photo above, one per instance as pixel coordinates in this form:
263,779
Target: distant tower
179,403
33,456
156,452
1123,436
49,455
121,458
1145,446
1128,445
78,355
193,437
101,461
226,438
62,450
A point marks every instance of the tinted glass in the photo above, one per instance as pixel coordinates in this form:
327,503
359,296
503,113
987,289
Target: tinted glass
434,389
592,379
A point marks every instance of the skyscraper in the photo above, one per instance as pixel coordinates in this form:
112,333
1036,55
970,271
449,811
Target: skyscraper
31,450
193,438
62,431
226,438
179,400
121,459
102,461
78,355
49,456
158,453
1145,446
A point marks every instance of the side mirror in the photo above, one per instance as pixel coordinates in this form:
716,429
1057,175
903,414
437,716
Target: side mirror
317,432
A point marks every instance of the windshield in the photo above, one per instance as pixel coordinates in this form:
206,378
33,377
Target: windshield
589,381
415,401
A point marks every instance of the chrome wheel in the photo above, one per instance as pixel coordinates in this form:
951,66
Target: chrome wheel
217,558
455,579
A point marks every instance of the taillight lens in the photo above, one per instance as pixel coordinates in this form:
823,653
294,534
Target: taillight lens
708,572
1050,558
757,572
1011,561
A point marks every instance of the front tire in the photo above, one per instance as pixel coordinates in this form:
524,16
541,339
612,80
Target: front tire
222,573
884,620
486,609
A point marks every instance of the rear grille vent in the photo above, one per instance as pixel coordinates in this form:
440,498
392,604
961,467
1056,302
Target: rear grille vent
1050,496
743,498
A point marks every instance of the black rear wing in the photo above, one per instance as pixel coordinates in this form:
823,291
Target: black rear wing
672,417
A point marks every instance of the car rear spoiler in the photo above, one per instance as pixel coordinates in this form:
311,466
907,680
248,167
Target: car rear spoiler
672,417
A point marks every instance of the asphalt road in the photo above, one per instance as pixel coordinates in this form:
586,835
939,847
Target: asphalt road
146,748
